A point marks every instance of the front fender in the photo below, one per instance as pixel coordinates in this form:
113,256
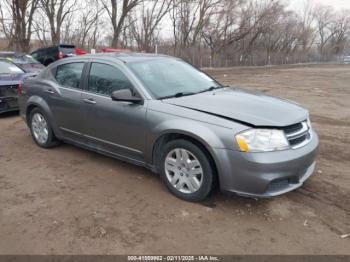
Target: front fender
210,136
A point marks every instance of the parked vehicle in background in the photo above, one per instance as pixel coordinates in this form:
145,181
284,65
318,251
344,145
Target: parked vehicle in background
164,114
48,55
79,51
24,61
346,60
115,50
11,77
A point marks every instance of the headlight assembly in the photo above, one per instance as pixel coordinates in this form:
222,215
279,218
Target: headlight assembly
262,140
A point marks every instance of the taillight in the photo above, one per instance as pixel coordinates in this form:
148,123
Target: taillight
60,55
20,89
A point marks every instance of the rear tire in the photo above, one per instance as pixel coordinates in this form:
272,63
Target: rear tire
186,170
41,129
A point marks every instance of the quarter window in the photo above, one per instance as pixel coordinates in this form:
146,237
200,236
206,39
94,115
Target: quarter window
105,79
69,75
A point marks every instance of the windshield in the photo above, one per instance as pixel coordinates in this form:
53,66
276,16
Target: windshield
9,68
170,77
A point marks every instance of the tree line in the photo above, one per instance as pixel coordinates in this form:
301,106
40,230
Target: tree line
203,32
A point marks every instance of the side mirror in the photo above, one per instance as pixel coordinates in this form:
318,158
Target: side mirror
125,95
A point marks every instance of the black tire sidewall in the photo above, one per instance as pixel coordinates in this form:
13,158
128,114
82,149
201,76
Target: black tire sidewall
208,174
50,139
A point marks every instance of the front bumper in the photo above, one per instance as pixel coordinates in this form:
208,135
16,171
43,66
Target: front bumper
8,103
266,174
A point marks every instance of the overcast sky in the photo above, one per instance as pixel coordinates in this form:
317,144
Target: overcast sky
337,4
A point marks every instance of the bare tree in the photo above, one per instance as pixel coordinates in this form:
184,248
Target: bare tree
307,32
193,16
324,16
204,32
22,13
40,29
68,32
216,32
340,29
188,20
144,26
118,17
56,12
88,24
6,22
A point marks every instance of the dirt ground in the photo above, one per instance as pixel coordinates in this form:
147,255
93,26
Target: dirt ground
68,200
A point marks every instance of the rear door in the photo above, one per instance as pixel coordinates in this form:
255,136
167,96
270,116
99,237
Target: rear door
115,127
64,97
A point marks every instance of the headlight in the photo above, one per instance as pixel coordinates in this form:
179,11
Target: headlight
262,140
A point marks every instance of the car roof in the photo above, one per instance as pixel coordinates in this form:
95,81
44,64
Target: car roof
127,57
11,53
53,46
7,53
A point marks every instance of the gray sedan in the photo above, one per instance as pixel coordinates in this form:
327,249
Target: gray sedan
161,113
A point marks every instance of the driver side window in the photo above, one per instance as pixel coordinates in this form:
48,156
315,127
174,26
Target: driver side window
105,79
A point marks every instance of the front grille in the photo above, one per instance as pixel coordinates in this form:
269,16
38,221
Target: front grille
298,135
293,128
296,141
9,90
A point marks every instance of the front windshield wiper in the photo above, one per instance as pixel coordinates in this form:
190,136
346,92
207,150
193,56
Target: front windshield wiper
212,88
180,94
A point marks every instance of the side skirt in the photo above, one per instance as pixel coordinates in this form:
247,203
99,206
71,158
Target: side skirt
110,154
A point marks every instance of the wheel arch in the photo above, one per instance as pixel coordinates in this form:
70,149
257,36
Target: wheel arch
176,135
38,102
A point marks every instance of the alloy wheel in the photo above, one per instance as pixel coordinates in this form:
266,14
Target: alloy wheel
40,128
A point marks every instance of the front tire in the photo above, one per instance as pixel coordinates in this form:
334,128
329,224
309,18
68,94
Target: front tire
186,170
41,129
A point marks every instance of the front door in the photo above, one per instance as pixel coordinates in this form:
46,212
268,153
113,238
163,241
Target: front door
115,127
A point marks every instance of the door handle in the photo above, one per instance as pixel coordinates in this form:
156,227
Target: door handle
89,101
50,91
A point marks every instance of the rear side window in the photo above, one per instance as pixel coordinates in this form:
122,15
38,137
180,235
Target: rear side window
105,79
69,75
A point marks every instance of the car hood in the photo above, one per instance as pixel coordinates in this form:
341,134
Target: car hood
248,107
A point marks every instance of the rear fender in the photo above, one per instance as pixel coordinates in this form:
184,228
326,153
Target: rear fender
37,101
